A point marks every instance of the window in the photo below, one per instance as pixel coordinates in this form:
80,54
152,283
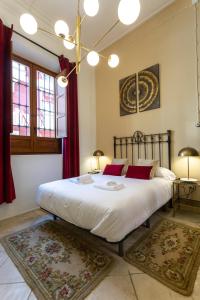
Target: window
45,105
34,109
21,99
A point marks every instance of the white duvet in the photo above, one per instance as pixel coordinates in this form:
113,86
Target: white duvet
109,214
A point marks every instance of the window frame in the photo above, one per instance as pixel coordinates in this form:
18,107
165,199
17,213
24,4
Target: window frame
33,144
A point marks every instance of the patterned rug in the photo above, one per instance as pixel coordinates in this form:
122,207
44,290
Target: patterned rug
54,261
169,252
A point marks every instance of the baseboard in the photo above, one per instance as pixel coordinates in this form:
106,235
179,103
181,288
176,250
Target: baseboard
21,214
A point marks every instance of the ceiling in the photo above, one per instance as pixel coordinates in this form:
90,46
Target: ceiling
47,12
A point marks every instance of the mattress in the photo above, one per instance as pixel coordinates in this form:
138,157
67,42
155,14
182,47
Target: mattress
108,214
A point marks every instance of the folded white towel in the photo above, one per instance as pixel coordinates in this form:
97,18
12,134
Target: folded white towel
85,179
110,186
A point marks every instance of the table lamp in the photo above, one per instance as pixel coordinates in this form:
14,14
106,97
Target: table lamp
187,152
97,154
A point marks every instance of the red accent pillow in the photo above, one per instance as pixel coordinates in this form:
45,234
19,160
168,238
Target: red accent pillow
139,172
114,170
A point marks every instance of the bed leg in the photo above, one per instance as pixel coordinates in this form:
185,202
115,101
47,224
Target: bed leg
165,207
121,249
147,223
54,217
170,203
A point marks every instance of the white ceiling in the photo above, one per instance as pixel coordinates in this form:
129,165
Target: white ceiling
48,11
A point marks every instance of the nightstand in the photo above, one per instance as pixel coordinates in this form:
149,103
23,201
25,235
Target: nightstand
94,172
182,194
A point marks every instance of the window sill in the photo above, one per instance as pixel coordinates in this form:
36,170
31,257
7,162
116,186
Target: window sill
34,153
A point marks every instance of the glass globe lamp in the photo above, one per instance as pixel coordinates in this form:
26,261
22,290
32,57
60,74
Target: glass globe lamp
61,28
70,43
113,60
28,23
128,11
91,7
62,81
93,58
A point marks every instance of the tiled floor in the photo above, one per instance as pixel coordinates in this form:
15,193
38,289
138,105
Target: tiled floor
124,282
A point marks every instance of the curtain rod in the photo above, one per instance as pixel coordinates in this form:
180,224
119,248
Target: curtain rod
36,44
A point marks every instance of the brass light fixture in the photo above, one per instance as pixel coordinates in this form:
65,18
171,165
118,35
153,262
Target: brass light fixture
188,152
128,12
97,154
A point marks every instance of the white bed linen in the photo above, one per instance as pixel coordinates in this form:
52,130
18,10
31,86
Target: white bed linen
109,214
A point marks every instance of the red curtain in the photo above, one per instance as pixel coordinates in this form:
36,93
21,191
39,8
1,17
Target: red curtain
71,162
7,190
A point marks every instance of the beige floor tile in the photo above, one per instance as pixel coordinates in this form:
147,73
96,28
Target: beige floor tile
121,268
117,286
18,291
188,217
32,296
20,222
3,255
1,248
196,292
148,288
113,288
9,273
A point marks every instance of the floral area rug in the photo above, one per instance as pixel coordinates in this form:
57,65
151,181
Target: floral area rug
54,261
169,252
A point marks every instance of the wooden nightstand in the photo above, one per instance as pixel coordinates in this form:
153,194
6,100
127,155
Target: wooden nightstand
94,172
182,194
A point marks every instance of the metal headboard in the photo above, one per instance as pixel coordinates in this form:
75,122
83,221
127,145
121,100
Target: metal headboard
147,146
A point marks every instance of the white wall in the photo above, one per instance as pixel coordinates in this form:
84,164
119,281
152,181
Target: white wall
168,39
30,171
87,116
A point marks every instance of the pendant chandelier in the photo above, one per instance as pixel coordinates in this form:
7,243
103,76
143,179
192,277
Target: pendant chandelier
128,12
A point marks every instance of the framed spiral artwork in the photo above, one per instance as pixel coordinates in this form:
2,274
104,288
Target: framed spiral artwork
140,92
149,88
128,95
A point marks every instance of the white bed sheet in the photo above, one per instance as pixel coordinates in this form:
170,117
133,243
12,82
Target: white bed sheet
108,214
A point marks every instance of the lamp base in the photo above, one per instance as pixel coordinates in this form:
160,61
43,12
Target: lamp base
189,179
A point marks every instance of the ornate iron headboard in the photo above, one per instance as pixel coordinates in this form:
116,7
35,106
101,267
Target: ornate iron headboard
148,146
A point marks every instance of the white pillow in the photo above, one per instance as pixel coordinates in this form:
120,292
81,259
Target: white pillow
148,163
121,161
165,173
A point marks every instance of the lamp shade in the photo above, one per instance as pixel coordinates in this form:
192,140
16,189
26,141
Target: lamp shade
188,151
98,153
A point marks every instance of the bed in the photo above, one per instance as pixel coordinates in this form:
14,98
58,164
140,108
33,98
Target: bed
112,215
